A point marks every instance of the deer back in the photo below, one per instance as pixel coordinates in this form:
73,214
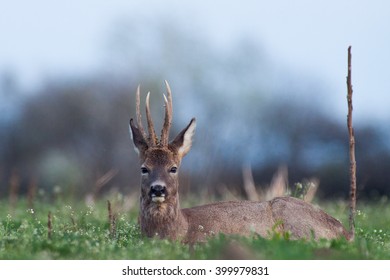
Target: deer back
280,215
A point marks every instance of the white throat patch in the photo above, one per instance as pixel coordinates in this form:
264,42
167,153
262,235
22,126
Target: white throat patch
158,199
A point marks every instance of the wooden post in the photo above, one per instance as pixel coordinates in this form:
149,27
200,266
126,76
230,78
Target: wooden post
352,160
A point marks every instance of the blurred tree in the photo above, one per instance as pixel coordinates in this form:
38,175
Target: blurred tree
73,134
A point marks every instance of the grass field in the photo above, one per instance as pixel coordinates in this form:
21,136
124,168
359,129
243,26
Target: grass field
83,232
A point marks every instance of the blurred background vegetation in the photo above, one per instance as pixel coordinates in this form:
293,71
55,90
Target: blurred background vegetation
69,135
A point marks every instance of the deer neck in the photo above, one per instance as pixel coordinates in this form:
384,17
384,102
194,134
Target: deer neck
164,220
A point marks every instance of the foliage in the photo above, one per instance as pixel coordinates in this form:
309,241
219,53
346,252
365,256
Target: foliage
82,232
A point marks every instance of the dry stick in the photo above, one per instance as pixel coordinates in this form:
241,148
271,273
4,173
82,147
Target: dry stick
249,183
73,221
31,192
49,224
103,180
113,226
14,184
352,160
109,215
111,220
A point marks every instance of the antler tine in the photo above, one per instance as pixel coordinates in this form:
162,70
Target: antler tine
152,133
168,116
138,112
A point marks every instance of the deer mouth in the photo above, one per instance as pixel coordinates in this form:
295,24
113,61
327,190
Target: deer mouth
158,198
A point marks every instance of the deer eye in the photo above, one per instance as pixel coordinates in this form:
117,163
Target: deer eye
144,170
173,169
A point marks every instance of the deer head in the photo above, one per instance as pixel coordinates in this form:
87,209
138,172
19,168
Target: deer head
160,162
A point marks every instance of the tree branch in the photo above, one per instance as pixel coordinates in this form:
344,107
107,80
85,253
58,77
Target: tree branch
352,160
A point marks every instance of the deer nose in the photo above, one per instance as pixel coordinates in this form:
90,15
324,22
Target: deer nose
157,191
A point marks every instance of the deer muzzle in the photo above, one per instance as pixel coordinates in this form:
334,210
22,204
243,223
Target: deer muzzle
158,193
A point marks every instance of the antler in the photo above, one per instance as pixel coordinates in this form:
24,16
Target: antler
152,138
138,113
152,133
168,117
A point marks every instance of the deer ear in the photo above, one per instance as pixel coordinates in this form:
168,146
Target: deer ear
140,145
183,141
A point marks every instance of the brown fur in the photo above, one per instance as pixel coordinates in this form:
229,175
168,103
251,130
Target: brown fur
283,214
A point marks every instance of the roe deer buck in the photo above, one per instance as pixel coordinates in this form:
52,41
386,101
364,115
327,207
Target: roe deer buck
160,212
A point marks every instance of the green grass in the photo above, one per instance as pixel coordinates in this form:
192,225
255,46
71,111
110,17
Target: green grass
82,232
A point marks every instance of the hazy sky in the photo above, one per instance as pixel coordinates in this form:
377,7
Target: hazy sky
43,38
